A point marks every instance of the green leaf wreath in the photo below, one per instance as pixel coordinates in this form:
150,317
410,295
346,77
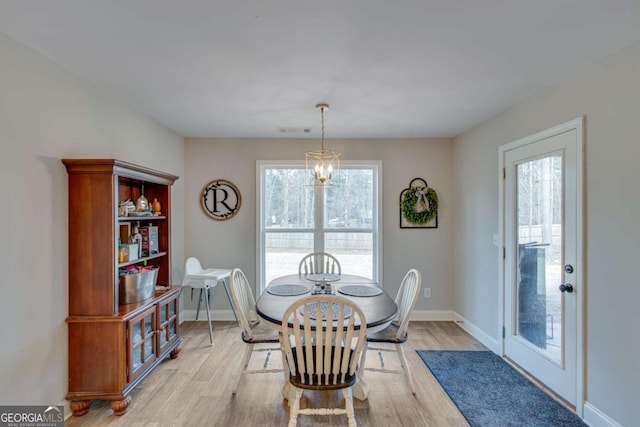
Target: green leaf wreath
409,201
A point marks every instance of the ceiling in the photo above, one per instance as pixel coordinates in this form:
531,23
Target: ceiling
388,69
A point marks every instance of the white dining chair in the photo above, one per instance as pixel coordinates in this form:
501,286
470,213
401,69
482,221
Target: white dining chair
203,279
396,333
254,331
319,262
322,338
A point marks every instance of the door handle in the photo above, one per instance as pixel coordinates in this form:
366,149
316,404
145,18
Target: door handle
566,288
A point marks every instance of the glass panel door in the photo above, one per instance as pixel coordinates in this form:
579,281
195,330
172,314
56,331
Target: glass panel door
542,257
167,322
539,260
142,336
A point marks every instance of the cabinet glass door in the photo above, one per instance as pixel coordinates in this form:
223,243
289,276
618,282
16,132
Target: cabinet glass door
142,332
168,321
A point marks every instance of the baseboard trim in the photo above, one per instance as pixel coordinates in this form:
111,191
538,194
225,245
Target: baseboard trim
486,339
215,315
67,409
596,418
432,315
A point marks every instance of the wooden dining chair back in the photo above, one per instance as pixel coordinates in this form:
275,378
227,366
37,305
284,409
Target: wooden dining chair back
397,332
322,339
253,330
319,262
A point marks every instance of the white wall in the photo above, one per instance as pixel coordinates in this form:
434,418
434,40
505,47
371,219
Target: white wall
608,94
232,243
47,114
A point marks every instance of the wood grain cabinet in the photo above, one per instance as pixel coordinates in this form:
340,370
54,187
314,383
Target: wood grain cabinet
113,346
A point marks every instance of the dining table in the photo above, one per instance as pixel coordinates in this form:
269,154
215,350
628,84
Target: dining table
378,307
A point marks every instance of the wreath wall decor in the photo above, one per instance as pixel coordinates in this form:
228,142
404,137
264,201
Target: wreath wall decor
418,205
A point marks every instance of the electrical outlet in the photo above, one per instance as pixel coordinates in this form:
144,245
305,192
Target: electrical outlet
427,292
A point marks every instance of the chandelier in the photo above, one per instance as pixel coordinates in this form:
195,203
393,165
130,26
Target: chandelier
323,165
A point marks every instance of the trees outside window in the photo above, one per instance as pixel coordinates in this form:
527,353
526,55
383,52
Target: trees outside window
296,219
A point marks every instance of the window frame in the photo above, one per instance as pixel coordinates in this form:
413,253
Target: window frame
319,230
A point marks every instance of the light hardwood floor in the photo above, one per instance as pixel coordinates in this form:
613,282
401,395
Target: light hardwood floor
195,389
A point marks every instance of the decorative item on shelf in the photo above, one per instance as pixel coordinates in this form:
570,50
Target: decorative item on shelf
142,204
136,240
156,207
149,244
123,252
221,199
418,205
322,166
137,283
126,207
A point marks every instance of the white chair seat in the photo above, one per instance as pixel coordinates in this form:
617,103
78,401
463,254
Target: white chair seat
388,335
261,333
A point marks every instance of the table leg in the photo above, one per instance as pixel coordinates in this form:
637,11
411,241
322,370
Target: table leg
360,390
288,392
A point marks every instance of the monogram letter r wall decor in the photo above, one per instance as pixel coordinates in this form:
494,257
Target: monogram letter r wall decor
221,199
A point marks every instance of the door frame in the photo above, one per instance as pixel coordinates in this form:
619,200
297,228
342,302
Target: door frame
576,124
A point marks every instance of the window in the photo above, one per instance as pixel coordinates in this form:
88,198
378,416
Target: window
295,219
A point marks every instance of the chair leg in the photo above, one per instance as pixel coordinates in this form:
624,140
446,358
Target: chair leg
206,298
199,301
348,402
294,407
243,367
405,366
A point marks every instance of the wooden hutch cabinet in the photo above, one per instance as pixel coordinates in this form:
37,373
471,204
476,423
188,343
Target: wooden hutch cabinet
113,346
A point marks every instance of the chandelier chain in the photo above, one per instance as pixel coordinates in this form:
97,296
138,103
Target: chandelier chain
322,121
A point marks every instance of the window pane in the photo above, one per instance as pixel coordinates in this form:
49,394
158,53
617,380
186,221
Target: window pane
351,204
288,202
283,252
353,250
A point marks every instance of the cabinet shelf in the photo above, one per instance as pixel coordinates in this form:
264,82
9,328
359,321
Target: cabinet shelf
141,218
141,259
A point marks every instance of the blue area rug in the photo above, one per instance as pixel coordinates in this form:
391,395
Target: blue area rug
489,392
